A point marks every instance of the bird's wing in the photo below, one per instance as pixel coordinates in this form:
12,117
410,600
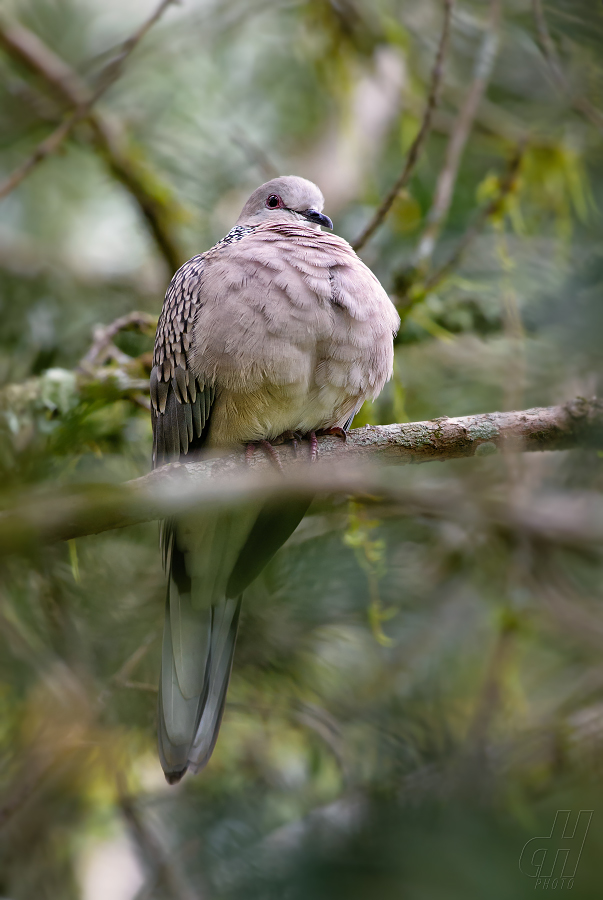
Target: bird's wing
180,402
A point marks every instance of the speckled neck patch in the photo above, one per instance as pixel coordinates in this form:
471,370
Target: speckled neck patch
235,234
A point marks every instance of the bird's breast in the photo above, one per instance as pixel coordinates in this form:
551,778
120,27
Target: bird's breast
293,331
270,411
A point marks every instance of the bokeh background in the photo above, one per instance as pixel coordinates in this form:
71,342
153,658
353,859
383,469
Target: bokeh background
414,694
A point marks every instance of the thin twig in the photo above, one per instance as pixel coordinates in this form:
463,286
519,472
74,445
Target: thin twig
142,400
139,686
564,604
158,860
48,146
547,45
32,50
26,786
255,154
458,140
29,50
133,660
328,729
32,53
114,68
490,699
104,334
122,677
580,104
417,144
507,185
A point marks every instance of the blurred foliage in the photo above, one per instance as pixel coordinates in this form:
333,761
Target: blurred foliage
413,698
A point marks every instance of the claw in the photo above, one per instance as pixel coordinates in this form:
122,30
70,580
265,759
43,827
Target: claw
268,449
294,436
336,431
271,454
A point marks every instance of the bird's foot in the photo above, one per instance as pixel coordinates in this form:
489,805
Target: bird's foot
268,449
336,431
294,436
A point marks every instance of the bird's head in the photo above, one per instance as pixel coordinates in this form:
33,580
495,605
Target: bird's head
285,199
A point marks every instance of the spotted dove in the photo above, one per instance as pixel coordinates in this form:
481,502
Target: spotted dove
279,328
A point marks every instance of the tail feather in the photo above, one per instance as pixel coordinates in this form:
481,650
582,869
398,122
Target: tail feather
188,727
225,625
178,715
190,638
199,636
212,559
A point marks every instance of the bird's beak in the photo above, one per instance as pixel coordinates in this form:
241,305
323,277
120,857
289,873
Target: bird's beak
312,215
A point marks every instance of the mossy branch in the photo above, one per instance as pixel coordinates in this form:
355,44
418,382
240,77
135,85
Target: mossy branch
125,162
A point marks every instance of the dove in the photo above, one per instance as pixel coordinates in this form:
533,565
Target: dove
278,330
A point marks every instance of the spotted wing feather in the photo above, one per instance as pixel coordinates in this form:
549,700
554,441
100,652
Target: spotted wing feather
180,402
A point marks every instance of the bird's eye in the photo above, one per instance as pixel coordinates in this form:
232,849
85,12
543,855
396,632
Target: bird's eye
273,201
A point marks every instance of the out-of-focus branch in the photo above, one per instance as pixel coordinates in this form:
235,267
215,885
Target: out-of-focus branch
339,818
458,140
547,46
38,392
580,104
152,197
24,788
564,605
344,467
417,144
157,859
490,700
46,148
17,398
103,364
507,185
104,334
256,155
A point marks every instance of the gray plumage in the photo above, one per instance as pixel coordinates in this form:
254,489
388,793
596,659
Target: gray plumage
279,327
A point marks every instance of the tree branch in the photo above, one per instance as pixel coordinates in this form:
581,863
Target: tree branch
417,145
343,468
580,104
507,184
24,46
103,364
458,139
158,860
103,337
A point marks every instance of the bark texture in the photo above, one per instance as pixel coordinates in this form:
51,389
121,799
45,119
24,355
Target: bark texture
342,467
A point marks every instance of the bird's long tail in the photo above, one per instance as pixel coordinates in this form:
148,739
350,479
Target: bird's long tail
211,561
189,725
